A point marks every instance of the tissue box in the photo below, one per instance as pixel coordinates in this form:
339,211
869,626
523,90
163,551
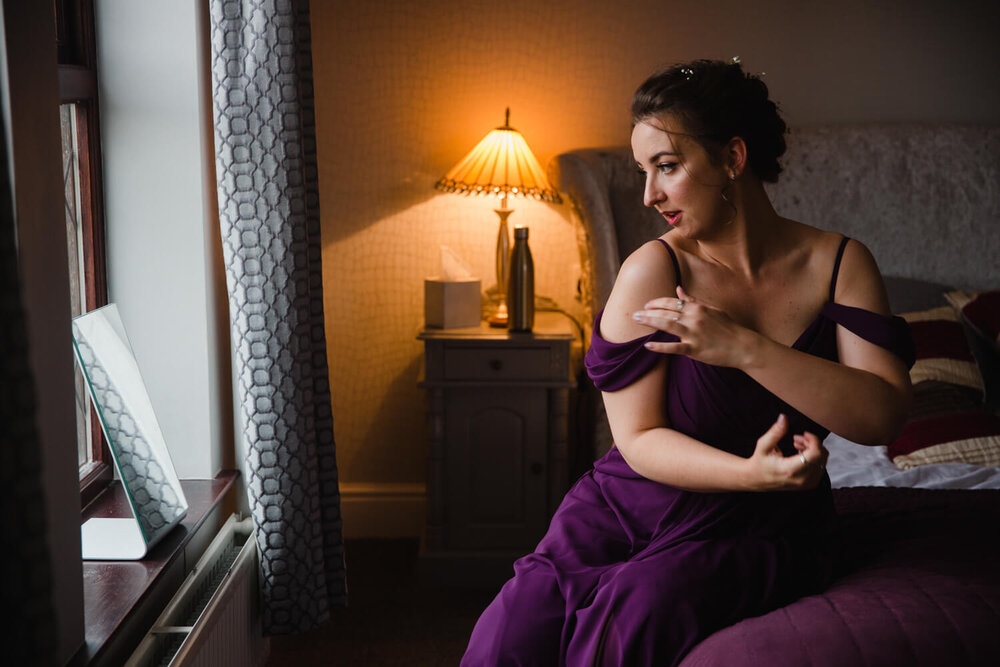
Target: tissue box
449,304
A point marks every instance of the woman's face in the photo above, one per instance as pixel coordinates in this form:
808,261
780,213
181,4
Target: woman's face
681,182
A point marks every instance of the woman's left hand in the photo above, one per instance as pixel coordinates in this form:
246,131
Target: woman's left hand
706,334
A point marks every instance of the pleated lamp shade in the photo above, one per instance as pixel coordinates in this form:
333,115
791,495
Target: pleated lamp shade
501,164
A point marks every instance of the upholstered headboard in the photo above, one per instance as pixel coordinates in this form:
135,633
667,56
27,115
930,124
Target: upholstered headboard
924,198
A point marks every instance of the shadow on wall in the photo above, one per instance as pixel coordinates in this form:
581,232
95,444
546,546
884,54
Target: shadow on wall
402,402
362,200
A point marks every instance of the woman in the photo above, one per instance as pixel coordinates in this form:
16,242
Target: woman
729,347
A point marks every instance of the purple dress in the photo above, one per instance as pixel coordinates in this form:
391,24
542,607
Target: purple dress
634,572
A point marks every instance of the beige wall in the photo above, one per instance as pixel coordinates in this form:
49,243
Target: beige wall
404,89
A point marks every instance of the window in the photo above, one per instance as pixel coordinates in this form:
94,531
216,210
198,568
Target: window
79,127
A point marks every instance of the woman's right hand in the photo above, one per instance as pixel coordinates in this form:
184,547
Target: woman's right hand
771,470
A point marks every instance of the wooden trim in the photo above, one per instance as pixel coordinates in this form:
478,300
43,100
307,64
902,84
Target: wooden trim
92,205
76,84
94,478
74,23
95,272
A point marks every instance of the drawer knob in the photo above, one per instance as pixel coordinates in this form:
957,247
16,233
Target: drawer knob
537,468
496,364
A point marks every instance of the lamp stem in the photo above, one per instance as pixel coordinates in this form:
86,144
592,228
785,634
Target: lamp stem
503,264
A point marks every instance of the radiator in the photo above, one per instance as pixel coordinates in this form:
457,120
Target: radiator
213,620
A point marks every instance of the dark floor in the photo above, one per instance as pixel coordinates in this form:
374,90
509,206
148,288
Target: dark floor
391,618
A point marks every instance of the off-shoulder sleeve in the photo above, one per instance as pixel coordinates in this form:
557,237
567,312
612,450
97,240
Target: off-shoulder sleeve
613,366
890,333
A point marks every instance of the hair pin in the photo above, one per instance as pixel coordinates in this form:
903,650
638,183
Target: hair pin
736,60
687,72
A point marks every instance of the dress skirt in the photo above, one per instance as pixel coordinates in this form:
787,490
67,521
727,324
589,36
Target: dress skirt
633,572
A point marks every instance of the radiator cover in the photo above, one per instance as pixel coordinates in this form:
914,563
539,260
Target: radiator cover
213,620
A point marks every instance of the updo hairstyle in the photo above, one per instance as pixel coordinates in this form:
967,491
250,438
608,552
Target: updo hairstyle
717,101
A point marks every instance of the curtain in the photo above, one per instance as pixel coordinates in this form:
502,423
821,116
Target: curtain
29,635
269,215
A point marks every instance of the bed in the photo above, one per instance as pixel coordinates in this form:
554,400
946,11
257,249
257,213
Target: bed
918,582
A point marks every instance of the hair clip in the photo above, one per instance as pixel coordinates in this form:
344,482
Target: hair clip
736,60
687,72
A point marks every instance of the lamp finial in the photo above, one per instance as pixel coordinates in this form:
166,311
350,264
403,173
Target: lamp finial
506,119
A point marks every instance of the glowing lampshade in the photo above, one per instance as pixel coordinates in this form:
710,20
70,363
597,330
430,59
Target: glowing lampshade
500,165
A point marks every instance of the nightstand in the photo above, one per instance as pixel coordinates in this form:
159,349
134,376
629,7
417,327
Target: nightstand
497,468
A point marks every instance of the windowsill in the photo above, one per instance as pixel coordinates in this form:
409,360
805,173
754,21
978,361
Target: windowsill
121,599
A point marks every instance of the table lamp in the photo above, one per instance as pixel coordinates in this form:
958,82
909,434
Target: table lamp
500,165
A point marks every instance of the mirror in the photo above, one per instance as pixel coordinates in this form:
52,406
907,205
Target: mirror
140,454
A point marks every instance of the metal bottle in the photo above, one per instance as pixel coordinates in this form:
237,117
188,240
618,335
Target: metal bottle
521,288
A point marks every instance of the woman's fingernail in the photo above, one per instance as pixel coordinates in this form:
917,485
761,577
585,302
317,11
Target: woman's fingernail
648,346
637,316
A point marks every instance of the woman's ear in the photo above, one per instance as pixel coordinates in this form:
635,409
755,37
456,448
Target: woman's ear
735,157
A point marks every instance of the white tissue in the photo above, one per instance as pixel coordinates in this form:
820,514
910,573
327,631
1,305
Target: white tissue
453,269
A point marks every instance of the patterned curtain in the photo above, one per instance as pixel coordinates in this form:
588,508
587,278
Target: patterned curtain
29,635
269,212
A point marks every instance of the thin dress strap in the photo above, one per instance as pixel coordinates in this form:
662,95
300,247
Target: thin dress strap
836,266
673,258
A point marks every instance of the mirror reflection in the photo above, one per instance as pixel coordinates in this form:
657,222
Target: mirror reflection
140,453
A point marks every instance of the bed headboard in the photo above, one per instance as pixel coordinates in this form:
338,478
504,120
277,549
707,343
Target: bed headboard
924,198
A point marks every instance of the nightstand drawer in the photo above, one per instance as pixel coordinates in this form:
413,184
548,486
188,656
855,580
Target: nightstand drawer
497,363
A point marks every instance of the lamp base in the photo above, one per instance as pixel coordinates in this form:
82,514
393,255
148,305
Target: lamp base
499,319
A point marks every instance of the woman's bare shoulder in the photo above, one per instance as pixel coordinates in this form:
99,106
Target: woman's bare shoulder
860,282
646,274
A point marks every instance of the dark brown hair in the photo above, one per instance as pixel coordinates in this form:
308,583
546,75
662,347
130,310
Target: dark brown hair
716,101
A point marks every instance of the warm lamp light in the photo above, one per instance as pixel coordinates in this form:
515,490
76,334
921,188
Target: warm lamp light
500,165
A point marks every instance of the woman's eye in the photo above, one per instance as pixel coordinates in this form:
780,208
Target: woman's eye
640,170
666,167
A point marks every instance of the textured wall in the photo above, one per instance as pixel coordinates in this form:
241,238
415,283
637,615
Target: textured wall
404,89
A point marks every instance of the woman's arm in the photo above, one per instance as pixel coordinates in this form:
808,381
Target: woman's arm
637,413
863,398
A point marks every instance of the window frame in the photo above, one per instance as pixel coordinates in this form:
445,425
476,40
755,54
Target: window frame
77,66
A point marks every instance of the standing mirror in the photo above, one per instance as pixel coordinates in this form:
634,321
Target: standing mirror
140,454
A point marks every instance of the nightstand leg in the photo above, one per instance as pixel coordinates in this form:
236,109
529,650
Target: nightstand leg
435,471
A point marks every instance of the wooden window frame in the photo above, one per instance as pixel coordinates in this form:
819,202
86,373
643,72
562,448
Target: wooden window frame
77,57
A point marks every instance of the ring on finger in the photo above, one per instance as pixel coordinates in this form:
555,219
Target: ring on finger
680,304
802,457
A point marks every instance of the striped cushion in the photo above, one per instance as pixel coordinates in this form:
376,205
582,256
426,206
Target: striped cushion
943,352
948,420
948,423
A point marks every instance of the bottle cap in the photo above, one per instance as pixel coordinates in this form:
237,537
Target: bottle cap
520,233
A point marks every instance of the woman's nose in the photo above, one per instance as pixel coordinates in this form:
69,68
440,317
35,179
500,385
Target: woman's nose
651,194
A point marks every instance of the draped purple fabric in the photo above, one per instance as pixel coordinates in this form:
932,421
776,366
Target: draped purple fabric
636,572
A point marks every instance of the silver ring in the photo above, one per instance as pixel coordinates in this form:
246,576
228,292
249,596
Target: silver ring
802,457
680,304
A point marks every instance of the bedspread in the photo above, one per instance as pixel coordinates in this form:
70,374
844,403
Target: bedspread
918,584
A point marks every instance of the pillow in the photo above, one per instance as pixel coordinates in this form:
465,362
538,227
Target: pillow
981,310
947,424
948,420
942,350
981,313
